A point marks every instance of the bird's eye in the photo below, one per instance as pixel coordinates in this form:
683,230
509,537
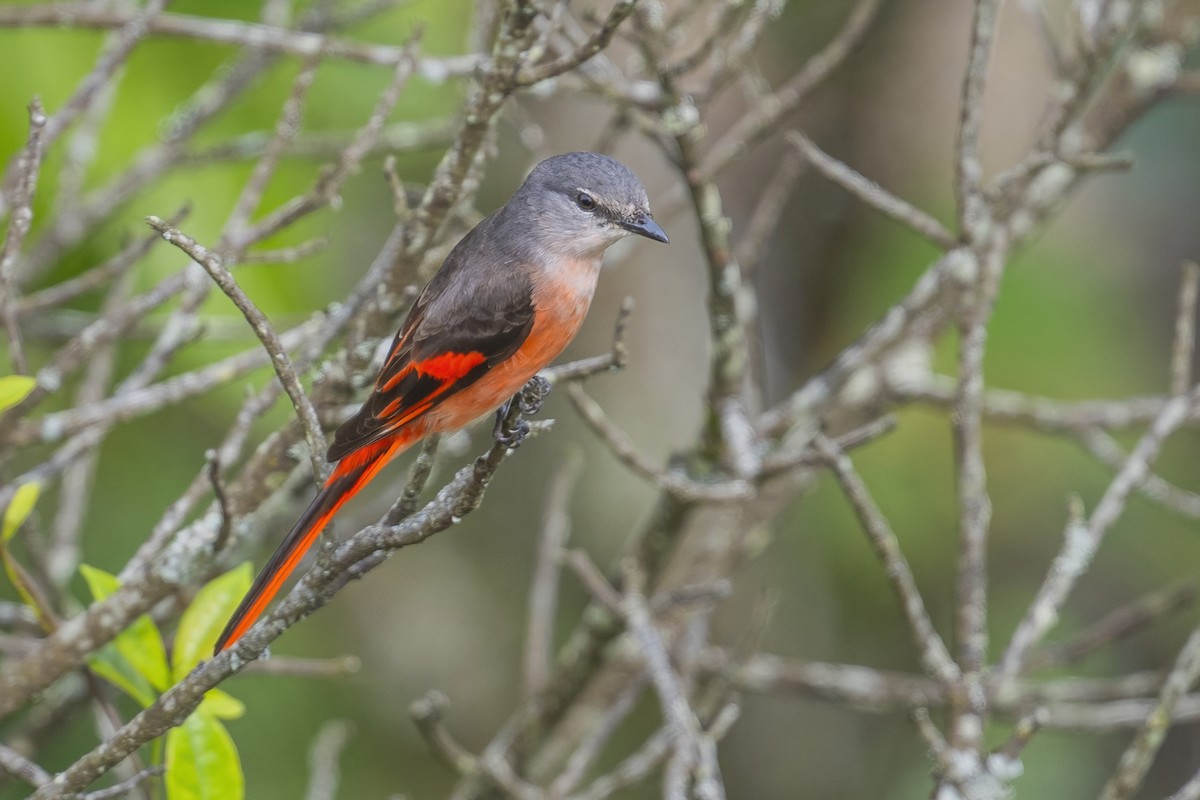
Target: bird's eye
585,201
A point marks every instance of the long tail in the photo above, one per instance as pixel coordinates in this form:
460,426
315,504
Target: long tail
350,475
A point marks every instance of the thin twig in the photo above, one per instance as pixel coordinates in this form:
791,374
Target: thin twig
1082,539
972,209
872,193
622,447
1119,624
1137,758
323,772
1185,330
694,756
543,590
266,38
592,578
261,326
307,667
124,787
598,41
21,767
974,504
935,656
25,169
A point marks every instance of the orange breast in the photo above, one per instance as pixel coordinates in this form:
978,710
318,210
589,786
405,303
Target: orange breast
561,301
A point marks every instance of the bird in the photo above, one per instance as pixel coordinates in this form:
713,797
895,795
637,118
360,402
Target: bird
509,297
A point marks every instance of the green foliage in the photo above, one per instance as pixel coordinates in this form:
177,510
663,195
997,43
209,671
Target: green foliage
201,624
137,651
201,759
19,509
14,389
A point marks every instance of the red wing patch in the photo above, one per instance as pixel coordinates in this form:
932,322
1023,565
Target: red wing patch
449,366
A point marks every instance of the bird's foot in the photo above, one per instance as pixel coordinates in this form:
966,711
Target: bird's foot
533,394
511,428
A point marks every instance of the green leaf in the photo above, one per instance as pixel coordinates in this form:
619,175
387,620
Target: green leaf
19,509
204,619
221,705
202,762
14,389
140,646
112,667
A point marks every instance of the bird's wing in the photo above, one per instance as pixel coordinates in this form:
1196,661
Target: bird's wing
457,331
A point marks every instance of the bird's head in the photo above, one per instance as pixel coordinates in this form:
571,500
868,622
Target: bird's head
580,203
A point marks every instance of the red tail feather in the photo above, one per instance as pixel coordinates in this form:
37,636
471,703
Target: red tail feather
348,477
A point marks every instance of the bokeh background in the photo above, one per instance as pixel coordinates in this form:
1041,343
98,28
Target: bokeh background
1085,312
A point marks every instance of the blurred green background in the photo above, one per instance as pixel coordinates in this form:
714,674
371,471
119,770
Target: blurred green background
1086,311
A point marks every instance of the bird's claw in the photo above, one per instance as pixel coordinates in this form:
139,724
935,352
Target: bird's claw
511,433
533,394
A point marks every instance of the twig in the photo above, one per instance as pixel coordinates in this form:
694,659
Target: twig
125,786
427,711
25,169
974,504
418,477
1043,413
1137,758
286,255
569,61
972,209
1106,449
129,405
1081,540
287,127
94,278
307,667
543,590
592,578
633,769
622,447
21,767
252,35
592,745
694,754
1114,626
872,193
1185,330
935,657
939,748
769,113
751,248
1191,789
212,470
63,557
323,771
211,263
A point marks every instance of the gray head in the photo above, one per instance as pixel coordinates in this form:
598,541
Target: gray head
580,203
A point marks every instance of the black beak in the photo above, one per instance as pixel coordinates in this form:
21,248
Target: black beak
644,225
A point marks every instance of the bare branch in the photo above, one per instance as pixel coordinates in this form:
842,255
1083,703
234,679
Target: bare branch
26,168
323,758
569,61
1138,757
1081,540
935,657
263,330
543,591
226,31
872,193
1185,330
